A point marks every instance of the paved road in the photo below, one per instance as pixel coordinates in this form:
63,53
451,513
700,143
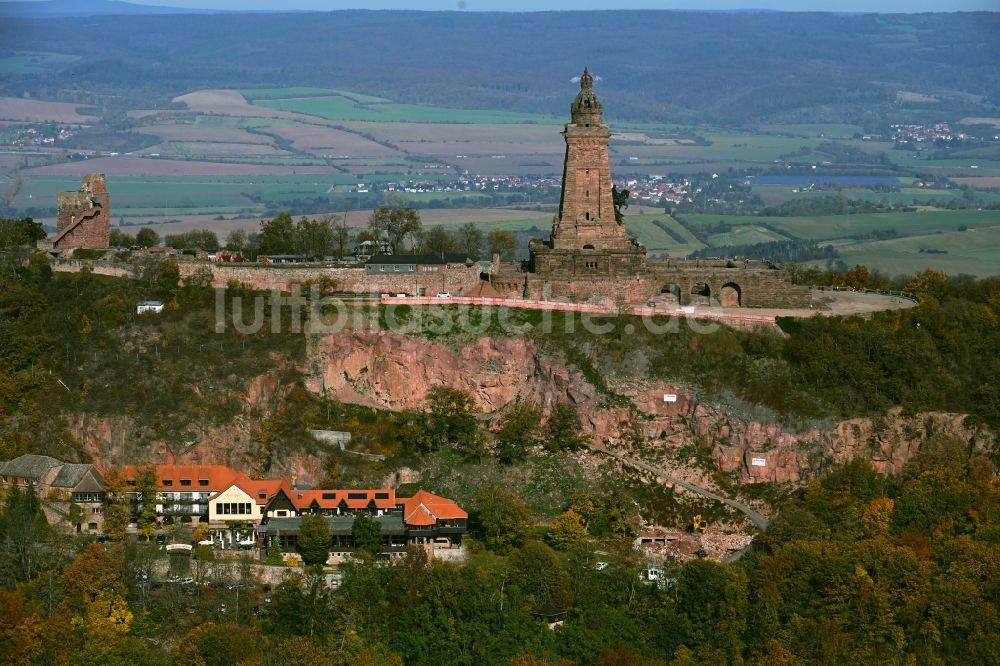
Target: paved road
757,519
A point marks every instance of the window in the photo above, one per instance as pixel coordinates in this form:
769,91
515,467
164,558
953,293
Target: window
218,509
356,496
185,482
91,526
382,496
381,268
329,496
396,268
202,482
165,482
262,495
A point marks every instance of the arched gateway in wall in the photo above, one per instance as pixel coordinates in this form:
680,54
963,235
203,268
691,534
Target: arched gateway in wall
730,296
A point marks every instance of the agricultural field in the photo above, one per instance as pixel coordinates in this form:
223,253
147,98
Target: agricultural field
973,252
30,110
124,165
330,142
749,234
342,107
832,227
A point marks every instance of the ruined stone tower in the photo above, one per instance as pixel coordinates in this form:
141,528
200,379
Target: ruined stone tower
84,215
586,238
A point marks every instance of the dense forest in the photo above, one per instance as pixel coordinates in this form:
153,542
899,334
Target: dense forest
857,568
657,66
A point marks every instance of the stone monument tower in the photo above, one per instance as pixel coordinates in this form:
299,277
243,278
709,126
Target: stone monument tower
586,237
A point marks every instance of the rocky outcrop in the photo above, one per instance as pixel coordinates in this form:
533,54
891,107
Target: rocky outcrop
761,453
393,371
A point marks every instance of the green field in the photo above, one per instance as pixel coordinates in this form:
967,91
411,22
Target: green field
342,107
829,227
306,91
745,235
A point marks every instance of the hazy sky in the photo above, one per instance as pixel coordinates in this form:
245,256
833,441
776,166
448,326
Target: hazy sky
535,5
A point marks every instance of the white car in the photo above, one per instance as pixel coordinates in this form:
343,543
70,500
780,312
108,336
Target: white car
444,294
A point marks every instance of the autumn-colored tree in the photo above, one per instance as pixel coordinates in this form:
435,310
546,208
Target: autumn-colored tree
928,282
877,517
117,508
301,651
98,570
566,531
22,632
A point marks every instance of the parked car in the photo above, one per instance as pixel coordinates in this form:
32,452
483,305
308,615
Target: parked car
444,294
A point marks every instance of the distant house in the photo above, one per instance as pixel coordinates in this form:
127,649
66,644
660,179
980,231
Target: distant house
414,263
60,485
284,259
155,307
229,258
369,248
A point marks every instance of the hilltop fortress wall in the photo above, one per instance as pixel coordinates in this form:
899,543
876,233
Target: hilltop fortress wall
457,281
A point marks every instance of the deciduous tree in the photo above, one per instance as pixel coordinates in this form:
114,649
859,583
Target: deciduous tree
367,534
314,540
520,432
505,522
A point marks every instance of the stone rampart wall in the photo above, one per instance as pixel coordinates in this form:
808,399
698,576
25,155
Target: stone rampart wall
288,278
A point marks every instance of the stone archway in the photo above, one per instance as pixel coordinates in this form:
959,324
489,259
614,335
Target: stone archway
730,296
701,294
671,293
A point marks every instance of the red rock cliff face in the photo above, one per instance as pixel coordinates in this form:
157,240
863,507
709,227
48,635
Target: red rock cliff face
392,371
395,372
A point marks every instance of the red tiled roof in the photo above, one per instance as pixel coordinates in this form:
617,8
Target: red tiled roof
426,508
207,478
218,477
384,498
261,490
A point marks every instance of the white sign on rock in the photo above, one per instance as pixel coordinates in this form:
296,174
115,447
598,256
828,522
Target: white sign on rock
669,397
758,462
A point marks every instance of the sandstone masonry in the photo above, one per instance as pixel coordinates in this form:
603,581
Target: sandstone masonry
83,216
